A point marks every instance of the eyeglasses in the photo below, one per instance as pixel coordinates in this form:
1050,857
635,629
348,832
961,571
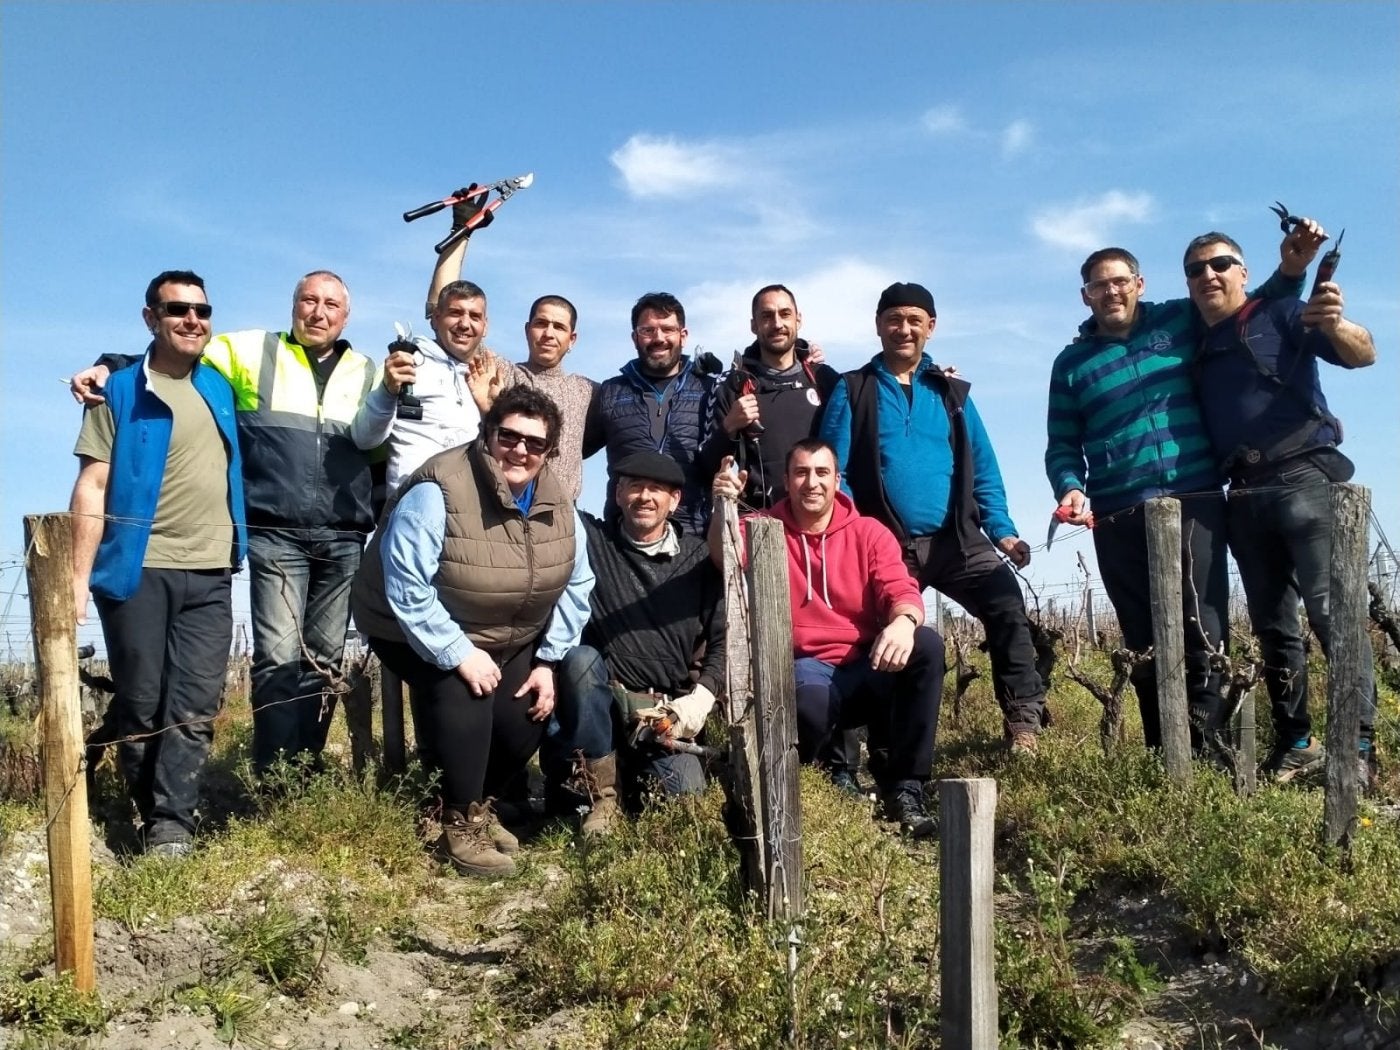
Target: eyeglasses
509,439
175,308
1219,264
649,331
1098,289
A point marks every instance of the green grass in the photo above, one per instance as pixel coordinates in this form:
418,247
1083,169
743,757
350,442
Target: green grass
647,938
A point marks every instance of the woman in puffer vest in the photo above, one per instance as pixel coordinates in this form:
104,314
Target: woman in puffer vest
475,585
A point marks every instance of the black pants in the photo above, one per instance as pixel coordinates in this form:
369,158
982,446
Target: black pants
1281,536
481,742
984,585
168,649
900,707
1120,541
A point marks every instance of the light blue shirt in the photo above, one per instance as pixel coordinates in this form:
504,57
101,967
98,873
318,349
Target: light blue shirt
410,551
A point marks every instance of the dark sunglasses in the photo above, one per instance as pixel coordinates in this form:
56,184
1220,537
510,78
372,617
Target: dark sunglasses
175,308
535,446
1219,264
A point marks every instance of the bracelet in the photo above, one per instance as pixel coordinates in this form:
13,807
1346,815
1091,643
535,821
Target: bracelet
912,618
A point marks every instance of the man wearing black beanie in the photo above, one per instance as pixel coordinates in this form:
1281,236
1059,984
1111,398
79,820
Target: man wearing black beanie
915,455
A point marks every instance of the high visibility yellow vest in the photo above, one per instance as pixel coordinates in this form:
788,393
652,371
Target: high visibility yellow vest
300,467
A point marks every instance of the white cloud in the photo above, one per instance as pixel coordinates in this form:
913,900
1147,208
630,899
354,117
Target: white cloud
1017,138
944,120
654,166
1089,223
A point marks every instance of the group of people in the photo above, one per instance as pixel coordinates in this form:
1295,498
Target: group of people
523,624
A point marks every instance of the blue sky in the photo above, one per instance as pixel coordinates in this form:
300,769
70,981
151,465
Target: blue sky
704,149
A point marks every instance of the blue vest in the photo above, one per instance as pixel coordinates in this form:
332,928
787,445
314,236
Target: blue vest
139,449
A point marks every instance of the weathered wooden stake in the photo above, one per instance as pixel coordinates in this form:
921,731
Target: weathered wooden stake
770,624
48,539
391,719
966,816
1169,632
1247,752
745,792
1349,674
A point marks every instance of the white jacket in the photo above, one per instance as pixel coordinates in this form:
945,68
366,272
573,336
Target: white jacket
450,416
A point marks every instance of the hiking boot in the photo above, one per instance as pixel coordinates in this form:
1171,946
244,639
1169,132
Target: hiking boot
466,839
843,778
598,776
501,837
171,850
904,805
1023,743
1287,763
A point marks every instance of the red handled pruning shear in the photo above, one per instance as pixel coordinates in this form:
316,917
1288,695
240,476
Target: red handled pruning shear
1062,515
504,188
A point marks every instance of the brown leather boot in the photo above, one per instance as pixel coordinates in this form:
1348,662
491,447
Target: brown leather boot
500,835
599,776
466,839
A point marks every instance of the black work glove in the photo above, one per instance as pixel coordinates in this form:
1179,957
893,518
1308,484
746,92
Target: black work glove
463,210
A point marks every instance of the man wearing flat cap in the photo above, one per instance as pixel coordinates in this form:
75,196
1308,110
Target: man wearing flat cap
656,602
914,455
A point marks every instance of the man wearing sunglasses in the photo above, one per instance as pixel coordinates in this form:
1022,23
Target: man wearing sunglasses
158,529
307,488
1276,440
1124,426
659,403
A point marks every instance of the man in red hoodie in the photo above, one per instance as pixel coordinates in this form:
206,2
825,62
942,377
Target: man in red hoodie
863,655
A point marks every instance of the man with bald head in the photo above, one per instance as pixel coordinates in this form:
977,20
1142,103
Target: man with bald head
307,491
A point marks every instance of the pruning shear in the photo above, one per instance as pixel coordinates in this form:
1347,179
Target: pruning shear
504,188
1330,260
1062,515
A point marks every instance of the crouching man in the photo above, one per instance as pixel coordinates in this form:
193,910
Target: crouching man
863,655
656,603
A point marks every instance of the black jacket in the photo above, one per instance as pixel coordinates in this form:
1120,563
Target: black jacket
789,408
649,615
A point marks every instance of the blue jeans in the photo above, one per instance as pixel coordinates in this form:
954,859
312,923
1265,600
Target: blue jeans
585,719
299,581
1281,537
168,649
900,707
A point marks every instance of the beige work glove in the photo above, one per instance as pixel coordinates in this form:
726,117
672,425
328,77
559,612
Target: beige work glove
690,711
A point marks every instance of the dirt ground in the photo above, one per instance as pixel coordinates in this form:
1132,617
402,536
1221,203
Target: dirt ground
423,996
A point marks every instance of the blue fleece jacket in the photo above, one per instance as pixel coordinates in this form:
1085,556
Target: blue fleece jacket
916,458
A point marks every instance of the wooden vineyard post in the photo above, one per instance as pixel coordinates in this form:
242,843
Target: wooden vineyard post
48,539
1169,632
745,791
1349,674
967,875
774,686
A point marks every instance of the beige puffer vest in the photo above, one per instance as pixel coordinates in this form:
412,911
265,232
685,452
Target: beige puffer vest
500,571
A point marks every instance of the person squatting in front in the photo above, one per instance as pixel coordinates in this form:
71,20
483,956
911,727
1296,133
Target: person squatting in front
476,584
863,654
629,708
